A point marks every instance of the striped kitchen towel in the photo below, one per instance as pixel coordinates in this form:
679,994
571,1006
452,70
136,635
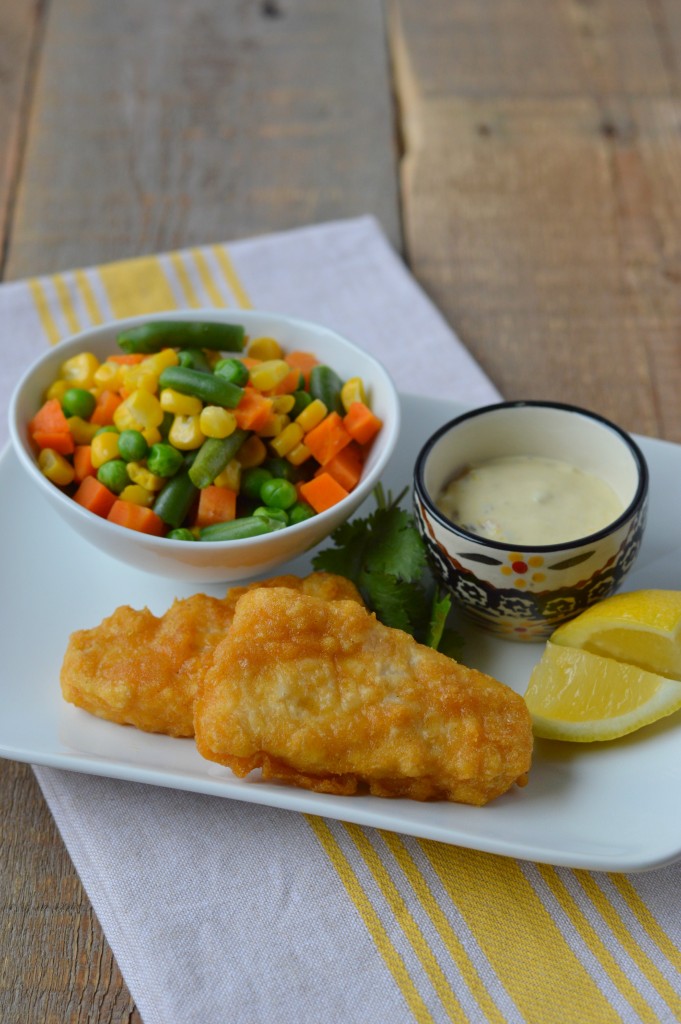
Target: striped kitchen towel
223,912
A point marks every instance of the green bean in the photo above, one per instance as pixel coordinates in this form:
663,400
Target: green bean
208,387
240,529
232,370
272,513
175,499
326,385
159,334
213,455
182,533
195,359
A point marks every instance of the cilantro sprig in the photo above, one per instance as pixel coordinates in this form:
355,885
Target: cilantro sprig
385,557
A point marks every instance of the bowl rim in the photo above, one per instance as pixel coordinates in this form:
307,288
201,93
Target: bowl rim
114,325
636,502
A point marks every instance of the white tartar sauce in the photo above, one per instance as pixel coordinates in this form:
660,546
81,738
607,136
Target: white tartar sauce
529,499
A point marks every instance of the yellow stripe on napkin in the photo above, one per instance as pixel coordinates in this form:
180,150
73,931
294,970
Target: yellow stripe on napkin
371,920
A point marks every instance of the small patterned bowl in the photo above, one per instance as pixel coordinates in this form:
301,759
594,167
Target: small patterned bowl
524,592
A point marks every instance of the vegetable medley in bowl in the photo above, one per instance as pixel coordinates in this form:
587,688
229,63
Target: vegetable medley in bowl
221,445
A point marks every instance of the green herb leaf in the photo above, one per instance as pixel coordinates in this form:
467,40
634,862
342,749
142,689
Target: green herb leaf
385,557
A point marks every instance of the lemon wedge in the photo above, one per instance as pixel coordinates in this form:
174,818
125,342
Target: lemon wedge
576,695
640,628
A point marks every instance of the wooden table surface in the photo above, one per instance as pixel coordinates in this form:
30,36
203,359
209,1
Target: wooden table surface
524,157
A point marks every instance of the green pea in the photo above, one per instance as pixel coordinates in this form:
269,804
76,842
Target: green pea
252,480
280,468
232,370
180,534
108,429
78,402
299,512
163,459
132,445
114,475
270,512
278,493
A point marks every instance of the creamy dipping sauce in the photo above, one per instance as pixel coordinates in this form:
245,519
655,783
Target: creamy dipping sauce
529,499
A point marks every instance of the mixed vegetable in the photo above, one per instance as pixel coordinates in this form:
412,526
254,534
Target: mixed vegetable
194,432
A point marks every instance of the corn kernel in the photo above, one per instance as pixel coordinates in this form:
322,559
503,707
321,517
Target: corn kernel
138,376
268,374
55,467
80,370
82,432
142,476
290,436
274,425
108,377
104,447
179,404
217,422
160,361
230,476
138,495
353,391
139,410
265,348
57,389
152,435
185,433
252,452
311,415
298,455
283,403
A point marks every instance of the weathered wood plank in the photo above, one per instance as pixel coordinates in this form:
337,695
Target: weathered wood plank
19,39
541,193
164,124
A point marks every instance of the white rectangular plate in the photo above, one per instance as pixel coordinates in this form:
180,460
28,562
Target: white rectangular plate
610,807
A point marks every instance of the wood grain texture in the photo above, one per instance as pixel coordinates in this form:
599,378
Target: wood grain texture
541,186
166,124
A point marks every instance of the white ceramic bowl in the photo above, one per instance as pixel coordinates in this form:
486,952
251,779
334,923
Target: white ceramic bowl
524,591
224,561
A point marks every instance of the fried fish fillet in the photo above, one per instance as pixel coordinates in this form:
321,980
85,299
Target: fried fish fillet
136,668
324,696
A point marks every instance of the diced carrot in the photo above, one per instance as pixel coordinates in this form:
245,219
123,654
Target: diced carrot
95,496
290,383
60,440
136,517
249,362
327,438
216,505
322,492
104,410
50,418
346,466
303,361
361,423
253,411
82,462
126,359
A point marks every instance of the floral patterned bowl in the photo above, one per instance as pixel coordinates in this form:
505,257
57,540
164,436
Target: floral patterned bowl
521,591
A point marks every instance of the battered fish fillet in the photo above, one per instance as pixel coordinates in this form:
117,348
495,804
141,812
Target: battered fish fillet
140,669
325,697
